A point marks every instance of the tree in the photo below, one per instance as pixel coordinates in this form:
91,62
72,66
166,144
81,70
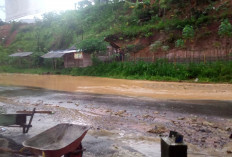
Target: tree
84,3
155,47
225,30
188,34
92,45
180,45
164,4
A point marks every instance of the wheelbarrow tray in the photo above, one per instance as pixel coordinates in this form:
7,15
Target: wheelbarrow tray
58,140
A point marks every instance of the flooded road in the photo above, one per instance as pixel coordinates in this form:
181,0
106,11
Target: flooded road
151,89
125,116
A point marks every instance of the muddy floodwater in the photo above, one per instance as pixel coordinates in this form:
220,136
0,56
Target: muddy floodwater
152,89
127,117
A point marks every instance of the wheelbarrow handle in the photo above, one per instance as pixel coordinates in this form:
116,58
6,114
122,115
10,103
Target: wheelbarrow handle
30,112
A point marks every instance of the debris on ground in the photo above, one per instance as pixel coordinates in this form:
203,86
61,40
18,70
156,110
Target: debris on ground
180,118
158,130
120,113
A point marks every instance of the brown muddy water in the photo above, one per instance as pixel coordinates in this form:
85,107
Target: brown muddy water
151,89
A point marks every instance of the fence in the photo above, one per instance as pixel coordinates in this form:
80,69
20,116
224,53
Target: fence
189,56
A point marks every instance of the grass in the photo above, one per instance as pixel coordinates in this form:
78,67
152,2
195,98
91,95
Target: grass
160,71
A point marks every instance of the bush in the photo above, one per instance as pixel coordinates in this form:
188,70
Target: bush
225,29
188,32
92,45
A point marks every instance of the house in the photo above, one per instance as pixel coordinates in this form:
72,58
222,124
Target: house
72,57
22,56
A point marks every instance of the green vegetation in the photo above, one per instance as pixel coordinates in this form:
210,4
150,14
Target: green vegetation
160,70
179,43
165,24
225,29
125,19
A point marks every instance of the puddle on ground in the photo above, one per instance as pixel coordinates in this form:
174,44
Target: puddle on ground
152,89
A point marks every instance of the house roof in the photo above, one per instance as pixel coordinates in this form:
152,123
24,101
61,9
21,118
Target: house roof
21,54
53,54
60,53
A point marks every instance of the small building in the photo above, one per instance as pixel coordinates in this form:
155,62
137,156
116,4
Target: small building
72,57
22,57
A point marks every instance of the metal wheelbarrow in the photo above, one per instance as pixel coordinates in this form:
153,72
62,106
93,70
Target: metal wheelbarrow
62,139
19,119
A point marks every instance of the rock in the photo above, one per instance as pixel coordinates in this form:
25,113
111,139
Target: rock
205,130
194,119
147,116
174,122
208,124
120,112
115,147
157,130
228,129
229,151
230,136
194,125
69,102
203,140
156,112
180,118
2,129
77,104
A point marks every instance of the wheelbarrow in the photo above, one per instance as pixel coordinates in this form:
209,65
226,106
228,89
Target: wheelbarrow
62,139
19,119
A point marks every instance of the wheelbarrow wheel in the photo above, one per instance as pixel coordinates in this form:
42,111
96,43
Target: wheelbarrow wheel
77,153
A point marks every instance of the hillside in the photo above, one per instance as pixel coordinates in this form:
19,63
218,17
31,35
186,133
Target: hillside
130,23
178,30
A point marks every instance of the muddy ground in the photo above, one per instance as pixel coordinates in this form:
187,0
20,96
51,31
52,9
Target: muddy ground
127,125
122,126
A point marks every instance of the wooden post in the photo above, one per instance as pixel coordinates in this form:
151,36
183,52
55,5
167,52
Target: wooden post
204,58
55,63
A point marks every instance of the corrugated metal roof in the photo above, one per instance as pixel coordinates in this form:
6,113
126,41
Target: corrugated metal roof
21,54
53,54
59,54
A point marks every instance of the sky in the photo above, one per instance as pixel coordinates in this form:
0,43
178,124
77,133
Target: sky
48,5
2,14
